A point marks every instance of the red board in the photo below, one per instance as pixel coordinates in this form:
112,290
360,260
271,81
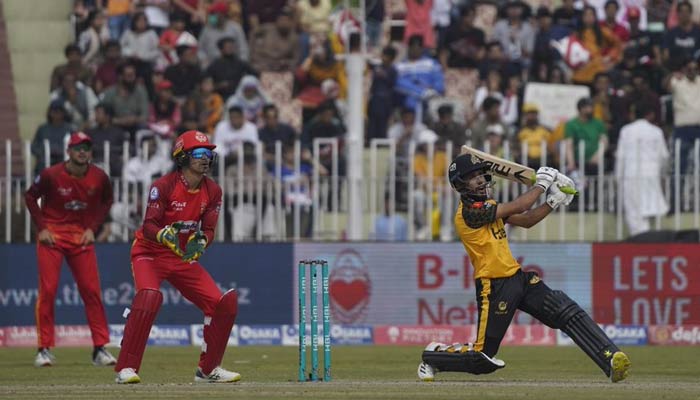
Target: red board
650,284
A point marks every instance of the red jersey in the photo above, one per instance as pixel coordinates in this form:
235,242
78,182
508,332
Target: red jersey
69,204
170,200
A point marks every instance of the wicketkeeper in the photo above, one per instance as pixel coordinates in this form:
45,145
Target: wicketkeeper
75,199
181,215
501,285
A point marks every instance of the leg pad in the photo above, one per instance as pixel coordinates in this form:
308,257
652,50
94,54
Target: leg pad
217,331
144,309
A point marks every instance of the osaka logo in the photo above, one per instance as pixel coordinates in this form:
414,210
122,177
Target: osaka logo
350,288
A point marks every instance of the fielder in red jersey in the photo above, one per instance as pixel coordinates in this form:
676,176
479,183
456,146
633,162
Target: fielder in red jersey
181,216
75,199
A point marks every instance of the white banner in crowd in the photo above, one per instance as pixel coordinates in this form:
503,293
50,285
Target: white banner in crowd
557,103
431,283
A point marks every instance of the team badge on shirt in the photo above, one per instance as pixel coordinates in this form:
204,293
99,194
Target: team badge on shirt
154,193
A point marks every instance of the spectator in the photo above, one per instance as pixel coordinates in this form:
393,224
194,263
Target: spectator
388,228
641,157
447,129
603,99
495,60
533,134
587,130
74,65
186,73
657,15
604,47
684,86
331,92
381,95
314,16
491,87
169,39
374,18
683,41
418,23
213,105
325,125
103,131
228,70
464,44
543,54
319,66
511,101
407,130
56,127
118,17
106,74
261,12
516,35
91,39
157,13
193,12
490,115
218,27
612,7
273,130
140,45
250,97
422,194
275,46
440,18
164,114
642,42
149,164
641,92
494,140
128,99
567,15
232,132
78,100
419,78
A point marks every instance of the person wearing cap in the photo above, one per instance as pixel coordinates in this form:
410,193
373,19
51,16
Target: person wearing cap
533,134
220,26
588,131
68,203
56,127
181,216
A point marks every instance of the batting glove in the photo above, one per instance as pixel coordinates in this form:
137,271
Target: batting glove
555,197
564,181
195,246
168,237
545,177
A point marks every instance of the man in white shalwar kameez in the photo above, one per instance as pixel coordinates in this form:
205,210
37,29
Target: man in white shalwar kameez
641,156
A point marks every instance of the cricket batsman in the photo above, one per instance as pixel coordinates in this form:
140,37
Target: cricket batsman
75,199
181,214
501,285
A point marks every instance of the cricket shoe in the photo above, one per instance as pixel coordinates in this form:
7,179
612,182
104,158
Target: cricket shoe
217,375
619,366
127,375
101,357
426,373
44,358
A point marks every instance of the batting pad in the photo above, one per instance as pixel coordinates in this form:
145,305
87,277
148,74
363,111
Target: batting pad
144,309
217,330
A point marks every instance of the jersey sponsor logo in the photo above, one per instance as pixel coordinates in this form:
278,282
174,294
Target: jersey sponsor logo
154,194
187,226
65,191
75,205
498,234
178,205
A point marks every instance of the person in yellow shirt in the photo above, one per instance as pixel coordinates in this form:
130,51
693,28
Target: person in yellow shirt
533,134
501,285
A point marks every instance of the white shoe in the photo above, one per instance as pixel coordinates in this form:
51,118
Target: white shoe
426,373
44,358
127,375
102,358
217,375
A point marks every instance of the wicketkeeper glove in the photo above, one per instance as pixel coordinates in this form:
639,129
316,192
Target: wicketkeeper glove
195,246
545,177
555,197
168,237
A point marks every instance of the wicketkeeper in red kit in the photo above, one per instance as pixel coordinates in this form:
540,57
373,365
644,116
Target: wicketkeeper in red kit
75,199
181,215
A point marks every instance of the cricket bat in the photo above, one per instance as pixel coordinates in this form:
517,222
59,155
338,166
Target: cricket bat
510,170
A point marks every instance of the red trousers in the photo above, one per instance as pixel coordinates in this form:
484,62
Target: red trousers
83,264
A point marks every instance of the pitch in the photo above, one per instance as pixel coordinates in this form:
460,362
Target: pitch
373,372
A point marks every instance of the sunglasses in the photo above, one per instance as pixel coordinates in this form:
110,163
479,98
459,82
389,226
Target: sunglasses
82,147
202,152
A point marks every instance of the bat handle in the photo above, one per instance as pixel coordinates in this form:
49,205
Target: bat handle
569,190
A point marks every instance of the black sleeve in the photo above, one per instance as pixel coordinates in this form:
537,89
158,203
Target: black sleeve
477,215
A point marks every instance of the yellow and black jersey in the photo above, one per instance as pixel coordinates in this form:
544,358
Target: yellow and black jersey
484,238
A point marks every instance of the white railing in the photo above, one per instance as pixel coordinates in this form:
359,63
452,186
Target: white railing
258,205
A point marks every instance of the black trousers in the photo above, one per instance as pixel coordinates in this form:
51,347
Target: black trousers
498,299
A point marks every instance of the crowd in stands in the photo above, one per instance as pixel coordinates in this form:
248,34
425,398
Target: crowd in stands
147,70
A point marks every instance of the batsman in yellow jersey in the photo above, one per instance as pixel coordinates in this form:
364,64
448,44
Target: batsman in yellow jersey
501,285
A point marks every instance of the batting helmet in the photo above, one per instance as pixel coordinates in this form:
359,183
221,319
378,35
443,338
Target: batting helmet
460,169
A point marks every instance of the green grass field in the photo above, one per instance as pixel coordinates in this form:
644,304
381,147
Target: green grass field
373,372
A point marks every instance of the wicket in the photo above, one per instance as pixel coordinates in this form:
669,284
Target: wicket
313,275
